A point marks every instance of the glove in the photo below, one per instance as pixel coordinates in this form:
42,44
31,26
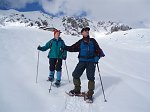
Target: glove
39,47
64,57
96,59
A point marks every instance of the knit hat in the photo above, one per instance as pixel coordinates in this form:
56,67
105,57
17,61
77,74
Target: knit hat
85,29
55,31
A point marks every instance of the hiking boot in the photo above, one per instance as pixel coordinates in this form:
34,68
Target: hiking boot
51,76
57,83
51,79
77,84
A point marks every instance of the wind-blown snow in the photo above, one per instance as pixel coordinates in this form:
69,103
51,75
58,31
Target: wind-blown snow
125,73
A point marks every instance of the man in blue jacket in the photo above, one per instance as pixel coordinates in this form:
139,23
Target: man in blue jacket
89,55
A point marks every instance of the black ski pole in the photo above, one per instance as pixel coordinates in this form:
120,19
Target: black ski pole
37,66
67,71
101,83
50,87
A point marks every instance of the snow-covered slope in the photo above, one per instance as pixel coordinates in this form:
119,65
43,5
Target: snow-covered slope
69,25
125,73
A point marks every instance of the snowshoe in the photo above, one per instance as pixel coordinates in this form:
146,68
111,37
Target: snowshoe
88,99
75,93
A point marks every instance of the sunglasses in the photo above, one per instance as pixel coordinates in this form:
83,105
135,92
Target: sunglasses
86,30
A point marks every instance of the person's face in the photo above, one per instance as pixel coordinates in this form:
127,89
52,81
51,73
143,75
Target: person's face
85,33
57,35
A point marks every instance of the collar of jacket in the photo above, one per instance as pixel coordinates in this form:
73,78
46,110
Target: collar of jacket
59,39
86,39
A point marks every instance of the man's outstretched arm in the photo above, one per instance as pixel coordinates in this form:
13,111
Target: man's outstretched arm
73,48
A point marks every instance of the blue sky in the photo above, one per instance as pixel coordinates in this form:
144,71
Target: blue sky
32,7
35,6
29,7
132,12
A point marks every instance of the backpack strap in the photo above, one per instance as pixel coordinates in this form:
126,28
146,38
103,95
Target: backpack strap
51,42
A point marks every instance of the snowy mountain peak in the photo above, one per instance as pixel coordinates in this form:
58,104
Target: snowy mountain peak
69,25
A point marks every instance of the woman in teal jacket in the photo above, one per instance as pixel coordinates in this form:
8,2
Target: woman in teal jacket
55,55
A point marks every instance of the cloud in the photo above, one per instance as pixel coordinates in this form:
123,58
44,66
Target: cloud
53,6
128,11
133,12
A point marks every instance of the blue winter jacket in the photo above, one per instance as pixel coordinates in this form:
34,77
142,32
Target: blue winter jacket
56,48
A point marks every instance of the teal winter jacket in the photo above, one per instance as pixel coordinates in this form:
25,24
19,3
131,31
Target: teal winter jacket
56,48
